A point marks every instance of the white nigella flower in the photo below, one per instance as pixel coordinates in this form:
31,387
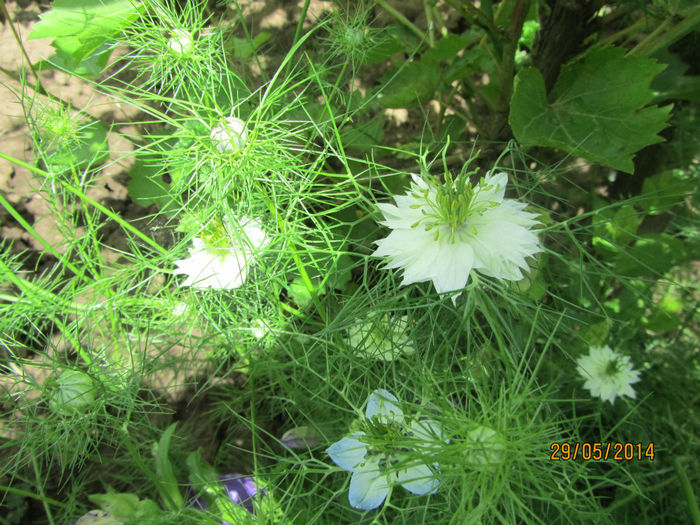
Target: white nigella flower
377,456
221,256
443,232
383,337
229,135
607,373
179,309
259,328
180,41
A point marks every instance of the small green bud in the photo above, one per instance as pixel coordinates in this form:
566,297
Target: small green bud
485,446
181,42
74,393
230,135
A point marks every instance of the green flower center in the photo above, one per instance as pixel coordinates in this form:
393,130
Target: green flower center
452,206
385,439
612,368
377,429
215,236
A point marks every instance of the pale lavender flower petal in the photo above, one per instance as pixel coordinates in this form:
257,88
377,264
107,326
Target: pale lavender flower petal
368,486
384,406
418,479
349,452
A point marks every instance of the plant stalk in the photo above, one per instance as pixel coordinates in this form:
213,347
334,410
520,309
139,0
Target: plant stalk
37,81
687,491
510,45
402,19
659,38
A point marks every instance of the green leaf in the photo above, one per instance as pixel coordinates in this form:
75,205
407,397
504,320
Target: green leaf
301,295
666,314
386,43
477,60
147,509
203,478
614,227
147,185
91,66
88,23
341,272
652,254
83,17
630,304
673,83
686,88
447,48
363,137
664,190
527,37
661,320
412,85
242,48
597,333
167,482
596,110
118,504
122,506
99,517
201,473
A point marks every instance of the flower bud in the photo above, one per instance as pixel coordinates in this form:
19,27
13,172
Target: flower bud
229,135
74,393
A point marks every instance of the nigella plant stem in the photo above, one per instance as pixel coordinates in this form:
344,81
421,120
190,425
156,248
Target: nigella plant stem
37,87
302,17
402,19
510,46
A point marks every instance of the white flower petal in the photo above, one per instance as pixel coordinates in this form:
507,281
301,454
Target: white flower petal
452,267
417,260
419,183
223,268
377,468
418,479
384,406
250,233
607,374
349,452
368,486
181,42
217,269
492,188
494,240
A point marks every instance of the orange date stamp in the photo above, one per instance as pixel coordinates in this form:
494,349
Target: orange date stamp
601,451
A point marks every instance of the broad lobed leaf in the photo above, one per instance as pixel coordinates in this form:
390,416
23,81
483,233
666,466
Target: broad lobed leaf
596,109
